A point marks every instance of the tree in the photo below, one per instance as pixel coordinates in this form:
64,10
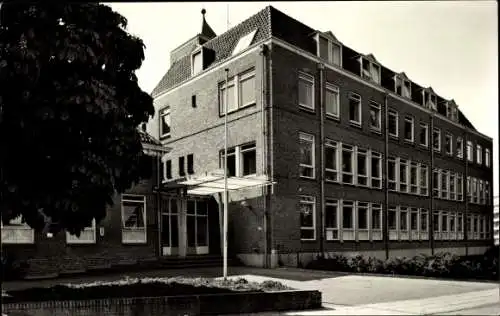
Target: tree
70,105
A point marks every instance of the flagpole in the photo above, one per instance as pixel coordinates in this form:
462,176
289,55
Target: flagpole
226,105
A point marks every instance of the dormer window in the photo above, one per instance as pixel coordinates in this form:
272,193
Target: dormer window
429,100
197,62
244,42
452,111
402,86
330,50
370,70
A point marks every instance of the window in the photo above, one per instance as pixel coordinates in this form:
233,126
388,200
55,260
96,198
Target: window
348,215
408,128
165,122
403,219
193,101
436,139
347,164
239,96
244,42
444,222
436,180
362,167
168,169
460,147
182,172
375,116
370,70
362,220
133,219
481,192
430,100
332,219
424,181
435,223
393,123
331,161
444,183
376,216
474,190
403,175
392,218
470,151
424,134
487,157
376,170
448,144
414,178
355,109
307,218
391,173
479,154
306,91
414,219
196,62
330,50
332,100
469,189
17,232
402,87
460,187
241,160
487,192
306,143
424,224
190,167
452,186
460,222
87,236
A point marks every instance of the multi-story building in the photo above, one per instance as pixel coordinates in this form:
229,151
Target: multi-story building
496,220
363,159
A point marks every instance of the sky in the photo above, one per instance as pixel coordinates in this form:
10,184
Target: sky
449,45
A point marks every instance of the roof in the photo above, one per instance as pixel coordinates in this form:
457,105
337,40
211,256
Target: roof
206,30
151,146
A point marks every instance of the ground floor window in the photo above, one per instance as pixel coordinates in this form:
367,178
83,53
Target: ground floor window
17,232
133,219
307,217
170,223
87,236
197,224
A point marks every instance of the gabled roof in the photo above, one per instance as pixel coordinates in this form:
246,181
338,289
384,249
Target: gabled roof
371,58
402,75
330,35
429,89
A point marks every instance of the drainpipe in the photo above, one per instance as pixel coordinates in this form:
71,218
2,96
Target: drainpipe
465,194
431,184
385,218
321,68
158,203
270,149
263,51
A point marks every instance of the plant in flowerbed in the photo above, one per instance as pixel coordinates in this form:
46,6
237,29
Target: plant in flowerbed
144,287
439,265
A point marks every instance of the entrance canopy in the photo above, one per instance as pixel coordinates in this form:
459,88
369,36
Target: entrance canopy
151,146
213,182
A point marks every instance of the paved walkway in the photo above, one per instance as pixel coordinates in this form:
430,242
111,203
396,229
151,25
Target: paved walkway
345,294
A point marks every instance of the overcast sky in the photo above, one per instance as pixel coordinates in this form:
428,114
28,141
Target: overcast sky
451,46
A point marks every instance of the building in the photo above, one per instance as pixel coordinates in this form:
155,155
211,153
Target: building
363,159
496,221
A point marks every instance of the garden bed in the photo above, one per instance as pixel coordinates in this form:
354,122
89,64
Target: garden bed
441,265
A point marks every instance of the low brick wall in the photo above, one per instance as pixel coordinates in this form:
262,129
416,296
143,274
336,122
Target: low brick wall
211,304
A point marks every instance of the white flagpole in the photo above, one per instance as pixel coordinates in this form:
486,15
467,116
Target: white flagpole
226,103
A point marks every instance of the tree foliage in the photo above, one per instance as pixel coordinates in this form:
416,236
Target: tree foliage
70,105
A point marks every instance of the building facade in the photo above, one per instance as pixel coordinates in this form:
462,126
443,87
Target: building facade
496,221
363,159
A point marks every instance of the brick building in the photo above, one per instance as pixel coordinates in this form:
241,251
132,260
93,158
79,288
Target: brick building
363,159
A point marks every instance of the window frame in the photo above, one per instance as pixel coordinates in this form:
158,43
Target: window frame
421,188
9,231
244,42
306,137
479,154
372,66
331,144
309,79
164,112
449,151
487,157
199,52
352,172
409,119
336,204
134,198
400,81
394,114
330,44
470,151
424,126
329,87
310,200
377,156
378,109
235,82
73,240
460,147
361,152
355,97
436,131
401,162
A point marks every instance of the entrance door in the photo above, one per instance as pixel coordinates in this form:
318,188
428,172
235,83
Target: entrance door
170,227
197,227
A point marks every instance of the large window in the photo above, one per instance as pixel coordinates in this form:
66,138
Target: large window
17,232
424,134
332,219
391,173
487,157
347,164
403,219
460,147
424,221
393,123
429,100
306,91
362,219
370,70
307,217
460,187
354,109
392,218
424,180
409,129
241,160
87,236
414,178
403,175
375,117
306,143
133,219
479,154
436,139
348,215
470,151
448,144
453,192
239,96
330,50
436,180
444,183
331,160
376,170
332,100
402,87
362,166
165,122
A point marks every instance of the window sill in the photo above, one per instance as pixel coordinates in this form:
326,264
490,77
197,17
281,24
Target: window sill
237,109
77,243
166,136
307,109
332,117
308,240
424,146
409,142
376,131
134,242
355,124
393,137
307,178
